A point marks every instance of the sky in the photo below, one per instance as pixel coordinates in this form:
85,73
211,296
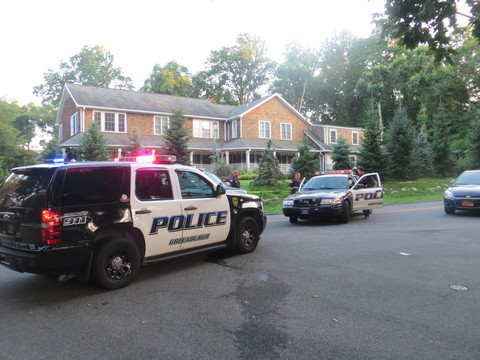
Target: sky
38,35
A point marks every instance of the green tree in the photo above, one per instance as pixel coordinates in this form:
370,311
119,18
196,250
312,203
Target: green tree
341,155
91,66
294,74
220,166
51,150
474,143
422,156
442,153
305,163
136,148
399,139
269,168
371,152
93,145
10,138
176,138
429,22
173,79
241,69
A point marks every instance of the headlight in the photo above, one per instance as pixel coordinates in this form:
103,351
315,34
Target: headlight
448,193
330,201
288,202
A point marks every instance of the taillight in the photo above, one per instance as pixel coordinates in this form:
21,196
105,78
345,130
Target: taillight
51,227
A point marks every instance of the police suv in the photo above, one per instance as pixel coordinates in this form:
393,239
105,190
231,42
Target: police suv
103,220
334,193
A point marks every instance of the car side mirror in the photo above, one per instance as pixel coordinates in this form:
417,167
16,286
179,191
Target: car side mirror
220,190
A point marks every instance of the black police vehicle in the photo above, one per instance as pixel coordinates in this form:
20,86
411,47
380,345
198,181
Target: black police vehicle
103,220
334,194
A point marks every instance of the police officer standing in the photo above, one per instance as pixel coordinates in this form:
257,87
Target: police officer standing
295,183
367,182
234,182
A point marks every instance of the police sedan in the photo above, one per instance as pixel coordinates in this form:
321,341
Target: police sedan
335,194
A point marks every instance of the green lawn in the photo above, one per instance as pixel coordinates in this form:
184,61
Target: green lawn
395,192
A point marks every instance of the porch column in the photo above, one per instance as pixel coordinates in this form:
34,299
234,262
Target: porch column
248,159
227,156
191,158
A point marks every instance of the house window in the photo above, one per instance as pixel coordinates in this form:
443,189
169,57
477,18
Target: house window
205,129
355,140
286,131
264,129
74,124
161,125
111,122
333,136
234,129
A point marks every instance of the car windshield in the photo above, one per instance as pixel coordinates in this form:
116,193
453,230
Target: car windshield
469,178
326,183
214,177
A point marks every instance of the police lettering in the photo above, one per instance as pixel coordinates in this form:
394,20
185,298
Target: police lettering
369,195
188,222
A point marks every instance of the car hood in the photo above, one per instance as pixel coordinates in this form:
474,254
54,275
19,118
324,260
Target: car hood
329,194
465,190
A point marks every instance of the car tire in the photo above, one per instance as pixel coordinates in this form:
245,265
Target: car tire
247,235
449,209
345,215
293,219
115,263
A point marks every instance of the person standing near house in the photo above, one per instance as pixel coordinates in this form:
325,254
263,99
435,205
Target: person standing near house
234,182
295,183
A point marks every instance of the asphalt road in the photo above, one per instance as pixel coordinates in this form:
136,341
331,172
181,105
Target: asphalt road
403,284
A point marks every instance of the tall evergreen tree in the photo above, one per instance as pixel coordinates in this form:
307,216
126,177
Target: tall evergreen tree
305,163
341,155
399,139
422,156
176,138
269,168
442,154
371,152
474,143
93,146
136,148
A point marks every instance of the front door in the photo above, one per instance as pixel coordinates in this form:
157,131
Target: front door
368,193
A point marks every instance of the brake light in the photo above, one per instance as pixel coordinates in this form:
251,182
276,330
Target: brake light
51,227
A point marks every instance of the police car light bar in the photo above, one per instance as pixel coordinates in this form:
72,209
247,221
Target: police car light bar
153,159
333,172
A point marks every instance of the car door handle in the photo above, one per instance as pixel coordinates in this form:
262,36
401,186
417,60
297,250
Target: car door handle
190,208
144,211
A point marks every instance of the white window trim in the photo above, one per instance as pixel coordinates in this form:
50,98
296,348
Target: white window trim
234,129
60,132
161,119
102,121
269,129
336,136
353,138
290,131
74,124
211,126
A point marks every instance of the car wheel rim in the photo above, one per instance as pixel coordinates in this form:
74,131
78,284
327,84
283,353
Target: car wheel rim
247,236
118,266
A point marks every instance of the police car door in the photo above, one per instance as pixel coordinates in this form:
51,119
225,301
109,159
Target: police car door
365,198
155,208
207,218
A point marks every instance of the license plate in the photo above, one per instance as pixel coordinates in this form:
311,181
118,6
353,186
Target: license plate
305,212
467,203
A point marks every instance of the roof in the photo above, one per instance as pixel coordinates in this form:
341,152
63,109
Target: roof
140,102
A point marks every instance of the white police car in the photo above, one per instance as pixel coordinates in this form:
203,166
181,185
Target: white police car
102,220
335,194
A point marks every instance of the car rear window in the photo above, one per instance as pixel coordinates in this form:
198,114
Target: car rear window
26,187
92,185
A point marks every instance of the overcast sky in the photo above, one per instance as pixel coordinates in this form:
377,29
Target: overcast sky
38,35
